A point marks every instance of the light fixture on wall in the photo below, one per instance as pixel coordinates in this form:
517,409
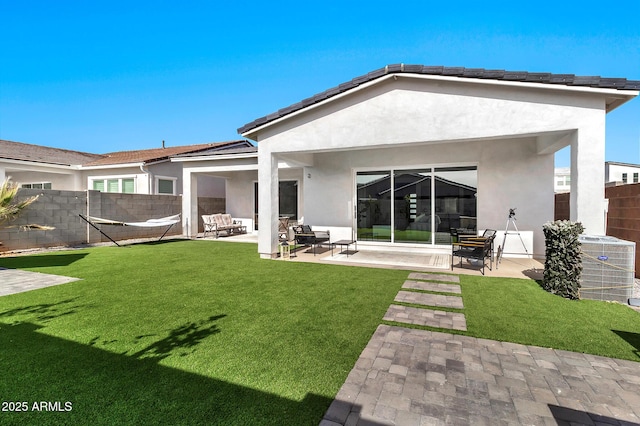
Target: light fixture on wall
309,175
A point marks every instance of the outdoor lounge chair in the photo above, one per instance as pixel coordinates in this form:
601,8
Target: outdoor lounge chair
304,235
222,222
475,249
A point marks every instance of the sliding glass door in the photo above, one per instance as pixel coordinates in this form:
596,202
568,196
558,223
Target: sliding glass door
373,206
416,205
412,206
455,202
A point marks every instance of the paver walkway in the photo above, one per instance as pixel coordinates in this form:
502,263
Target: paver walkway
426,317
429,299
419,377
434,277
16,281
413,377
429,286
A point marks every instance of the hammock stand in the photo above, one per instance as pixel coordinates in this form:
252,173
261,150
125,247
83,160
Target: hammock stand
168,221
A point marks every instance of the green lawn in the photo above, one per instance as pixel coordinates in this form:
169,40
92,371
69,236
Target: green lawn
205,332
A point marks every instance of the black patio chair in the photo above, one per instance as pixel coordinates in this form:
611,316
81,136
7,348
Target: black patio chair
477,249
304,235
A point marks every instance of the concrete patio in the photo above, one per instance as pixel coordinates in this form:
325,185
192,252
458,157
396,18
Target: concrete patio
410,259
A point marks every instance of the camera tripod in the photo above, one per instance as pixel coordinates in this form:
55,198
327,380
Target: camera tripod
511,220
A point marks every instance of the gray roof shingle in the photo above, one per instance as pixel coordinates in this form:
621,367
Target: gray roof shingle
480,73
44,154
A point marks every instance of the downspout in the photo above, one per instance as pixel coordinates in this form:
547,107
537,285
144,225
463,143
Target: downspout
149,179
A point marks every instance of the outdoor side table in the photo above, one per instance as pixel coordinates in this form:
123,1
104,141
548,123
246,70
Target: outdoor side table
343,243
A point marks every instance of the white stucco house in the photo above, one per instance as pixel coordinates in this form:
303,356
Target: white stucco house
615,173
400,155
621,173
562,179
145,171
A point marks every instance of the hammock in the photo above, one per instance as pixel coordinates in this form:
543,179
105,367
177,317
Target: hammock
168,221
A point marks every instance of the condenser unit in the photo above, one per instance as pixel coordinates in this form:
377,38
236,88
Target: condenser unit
607,268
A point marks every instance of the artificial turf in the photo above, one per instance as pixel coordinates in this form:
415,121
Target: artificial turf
191,332
205,332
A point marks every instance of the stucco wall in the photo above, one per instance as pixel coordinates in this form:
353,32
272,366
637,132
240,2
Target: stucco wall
510,175
141,179
210,186
62,182
239,192
510,131
614,173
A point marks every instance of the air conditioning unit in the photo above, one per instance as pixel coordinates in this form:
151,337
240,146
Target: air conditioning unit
608,265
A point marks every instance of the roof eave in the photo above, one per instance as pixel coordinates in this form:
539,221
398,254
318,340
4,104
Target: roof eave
112,166
616,97
40,163
214,157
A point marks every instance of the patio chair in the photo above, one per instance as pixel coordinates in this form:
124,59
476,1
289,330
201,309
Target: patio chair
220,222
475,249
283,229
304,235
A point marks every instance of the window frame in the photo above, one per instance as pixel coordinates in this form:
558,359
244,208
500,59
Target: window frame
174,181
120,178
42,185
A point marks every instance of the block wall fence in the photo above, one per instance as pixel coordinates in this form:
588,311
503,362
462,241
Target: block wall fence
623,217
61,209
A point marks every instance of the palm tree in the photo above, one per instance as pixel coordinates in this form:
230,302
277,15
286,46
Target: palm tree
9,207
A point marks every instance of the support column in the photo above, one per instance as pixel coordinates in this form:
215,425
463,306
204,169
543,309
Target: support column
587,178
189,203
267,204
3,174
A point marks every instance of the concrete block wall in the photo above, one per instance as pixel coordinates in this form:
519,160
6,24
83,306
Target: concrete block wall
623,218
58,209
131,208
561,207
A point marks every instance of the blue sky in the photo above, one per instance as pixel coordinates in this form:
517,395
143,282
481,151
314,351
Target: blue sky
106,76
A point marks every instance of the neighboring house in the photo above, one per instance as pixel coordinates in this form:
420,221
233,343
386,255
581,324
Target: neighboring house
43,167
496,131
614,174
147,171
621,173
562,179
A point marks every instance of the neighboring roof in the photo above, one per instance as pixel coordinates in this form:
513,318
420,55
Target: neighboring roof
244,148
158,154
461,72
44,154
615,163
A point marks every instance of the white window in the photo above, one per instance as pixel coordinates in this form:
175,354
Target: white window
166,185
39,185
116,184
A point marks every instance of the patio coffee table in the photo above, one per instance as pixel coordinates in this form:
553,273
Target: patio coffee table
343,243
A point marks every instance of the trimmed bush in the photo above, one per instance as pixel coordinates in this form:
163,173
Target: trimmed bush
563,264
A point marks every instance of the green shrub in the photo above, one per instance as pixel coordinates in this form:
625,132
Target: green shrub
563,264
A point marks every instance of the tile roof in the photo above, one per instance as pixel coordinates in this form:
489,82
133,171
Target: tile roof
46,155
461,72
239,149
43,154
155,154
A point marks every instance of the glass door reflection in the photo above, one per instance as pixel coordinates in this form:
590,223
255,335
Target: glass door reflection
373,208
